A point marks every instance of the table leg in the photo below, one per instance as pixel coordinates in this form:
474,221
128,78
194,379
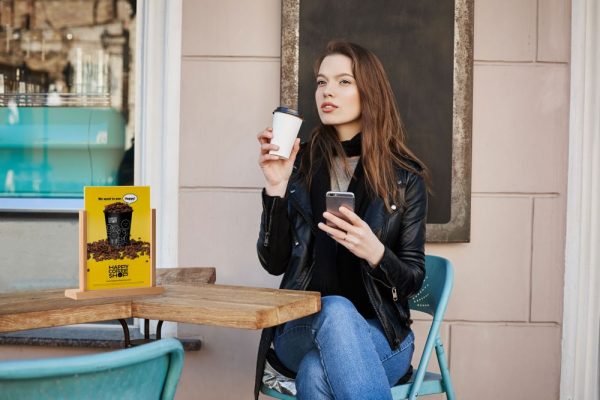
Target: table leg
159,329
125,332
146,339
147,330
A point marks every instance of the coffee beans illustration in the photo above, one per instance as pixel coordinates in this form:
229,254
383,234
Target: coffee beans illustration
102,250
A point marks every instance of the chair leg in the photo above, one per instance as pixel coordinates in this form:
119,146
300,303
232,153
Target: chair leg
446,380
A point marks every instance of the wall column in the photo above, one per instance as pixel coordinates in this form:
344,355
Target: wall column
581,321
157,119
157,106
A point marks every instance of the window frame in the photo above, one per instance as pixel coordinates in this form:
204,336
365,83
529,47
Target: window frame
158,64
157,121
31,204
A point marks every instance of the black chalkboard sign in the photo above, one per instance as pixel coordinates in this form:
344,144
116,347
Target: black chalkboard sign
415,41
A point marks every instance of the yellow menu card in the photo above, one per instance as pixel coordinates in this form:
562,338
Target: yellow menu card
119,235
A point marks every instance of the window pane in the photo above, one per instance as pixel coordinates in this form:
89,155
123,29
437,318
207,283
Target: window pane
66,96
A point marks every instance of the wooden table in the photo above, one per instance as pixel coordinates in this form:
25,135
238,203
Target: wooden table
207,304
188,276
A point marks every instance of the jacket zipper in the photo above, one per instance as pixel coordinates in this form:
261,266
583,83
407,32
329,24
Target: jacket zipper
269,222
382,238
393,288
388,333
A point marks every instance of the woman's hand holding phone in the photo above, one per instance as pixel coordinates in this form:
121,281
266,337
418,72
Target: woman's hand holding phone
277,171
354,234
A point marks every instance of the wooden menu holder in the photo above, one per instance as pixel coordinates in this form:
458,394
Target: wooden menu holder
82,293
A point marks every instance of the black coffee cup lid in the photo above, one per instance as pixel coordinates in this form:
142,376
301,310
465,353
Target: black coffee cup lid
287,110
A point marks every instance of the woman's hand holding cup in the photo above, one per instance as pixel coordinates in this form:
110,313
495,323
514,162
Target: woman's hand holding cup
277,170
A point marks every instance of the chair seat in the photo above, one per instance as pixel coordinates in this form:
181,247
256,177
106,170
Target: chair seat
432,383
275,394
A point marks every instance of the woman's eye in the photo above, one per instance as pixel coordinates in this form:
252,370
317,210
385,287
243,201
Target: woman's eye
320,83
345,82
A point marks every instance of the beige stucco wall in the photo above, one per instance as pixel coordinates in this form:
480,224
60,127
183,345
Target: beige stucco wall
503,326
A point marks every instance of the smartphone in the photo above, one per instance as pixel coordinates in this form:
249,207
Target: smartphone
334,200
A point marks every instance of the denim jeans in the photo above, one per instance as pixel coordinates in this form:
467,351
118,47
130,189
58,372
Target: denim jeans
338,354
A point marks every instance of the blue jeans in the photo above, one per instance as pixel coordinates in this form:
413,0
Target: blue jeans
338,354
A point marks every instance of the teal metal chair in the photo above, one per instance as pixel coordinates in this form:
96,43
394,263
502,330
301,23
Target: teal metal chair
431,299
150,371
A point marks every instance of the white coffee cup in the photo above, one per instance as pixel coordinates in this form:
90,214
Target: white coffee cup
286,125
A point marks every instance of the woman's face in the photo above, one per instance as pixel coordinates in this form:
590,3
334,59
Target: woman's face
337,97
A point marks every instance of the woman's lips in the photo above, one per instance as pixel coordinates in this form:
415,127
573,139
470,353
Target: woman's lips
328,107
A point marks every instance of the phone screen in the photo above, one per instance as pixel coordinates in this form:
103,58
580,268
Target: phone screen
334,200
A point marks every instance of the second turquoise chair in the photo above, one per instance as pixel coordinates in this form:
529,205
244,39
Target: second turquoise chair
150,372
431,299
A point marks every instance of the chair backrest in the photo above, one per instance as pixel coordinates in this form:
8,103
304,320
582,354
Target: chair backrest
149,371
431,299
435,291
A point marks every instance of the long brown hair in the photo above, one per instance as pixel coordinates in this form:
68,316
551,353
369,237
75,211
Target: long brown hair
383,137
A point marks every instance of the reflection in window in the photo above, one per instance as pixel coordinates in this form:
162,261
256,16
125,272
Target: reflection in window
66,96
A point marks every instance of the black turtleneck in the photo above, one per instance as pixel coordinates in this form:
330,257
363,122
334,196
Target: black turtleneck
337,271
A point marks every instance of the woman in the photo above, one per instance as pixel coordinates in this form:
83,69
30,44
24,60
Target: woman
366,265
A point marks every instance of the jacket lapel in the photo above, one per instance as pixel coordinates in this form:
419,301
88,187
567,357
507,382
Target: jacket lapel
299,198
376,216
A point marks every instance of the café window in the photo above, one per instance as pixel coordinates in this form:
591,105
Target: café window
66,99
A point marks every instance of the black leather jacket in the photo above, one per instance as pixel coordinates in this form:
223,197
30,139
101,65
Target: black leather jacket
285,246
